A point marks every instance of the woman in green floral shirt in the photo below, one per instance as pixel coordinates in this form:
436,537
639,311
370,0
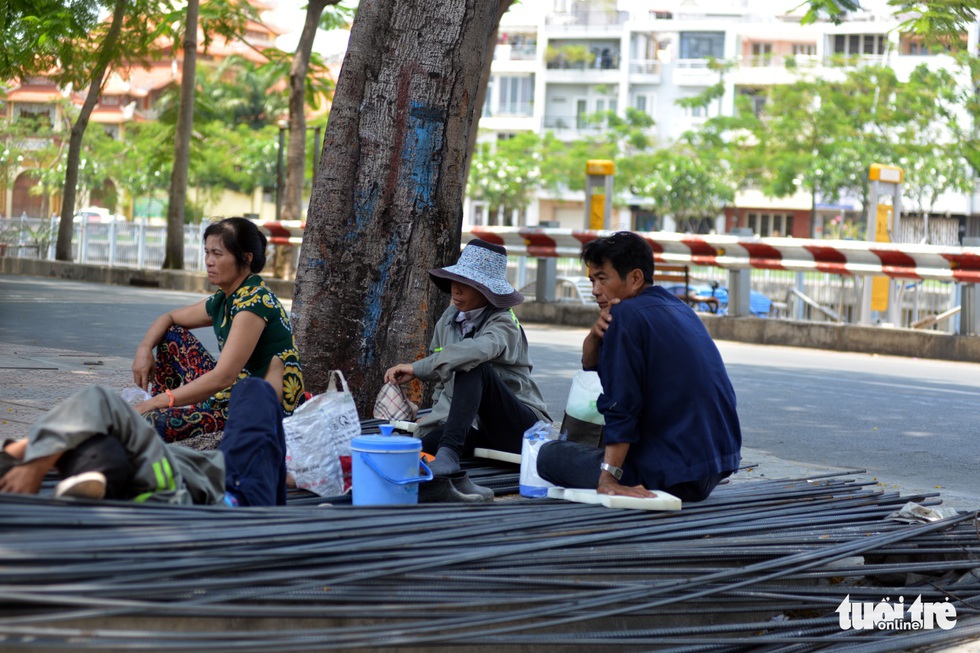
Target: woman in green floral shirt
190,387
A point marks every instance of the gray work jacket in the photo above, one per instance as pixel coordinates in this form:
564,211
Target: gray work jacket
498,339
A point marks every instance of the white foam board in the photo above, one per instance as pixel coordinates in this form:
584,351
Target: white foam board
663,501
493,454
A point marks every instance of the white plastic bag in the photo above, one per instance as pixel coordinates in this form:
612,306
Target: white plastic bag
582,397
531,484
583,422
134,395
318,434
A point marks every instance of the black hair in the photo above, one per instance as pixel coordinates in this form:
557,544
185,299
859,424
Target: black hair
240,236
625,252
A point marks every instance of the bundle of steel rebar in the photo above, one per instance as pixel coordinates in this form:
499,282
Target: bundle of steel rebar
761,565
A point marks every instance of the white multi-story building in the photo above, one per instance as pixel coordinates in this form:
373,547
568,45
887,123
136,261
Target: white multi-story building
552,70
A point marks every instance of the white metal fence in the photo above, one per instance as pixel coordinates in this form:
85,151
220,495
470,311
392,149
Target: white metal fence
837,295
124,244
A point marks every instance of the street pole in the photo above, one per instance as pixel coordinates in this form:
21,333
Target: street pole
316,150
279,180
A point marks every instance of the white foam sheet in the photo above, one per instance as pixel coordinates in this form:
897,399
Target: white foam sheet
493,454
663,501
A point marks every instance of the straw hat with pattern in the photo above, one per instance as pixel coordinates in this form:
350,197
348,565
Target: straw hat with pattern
483,266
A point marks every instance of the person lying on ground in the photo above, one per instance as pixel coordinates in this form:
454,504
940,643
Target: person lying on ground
255,339
484,395
103,448
670,412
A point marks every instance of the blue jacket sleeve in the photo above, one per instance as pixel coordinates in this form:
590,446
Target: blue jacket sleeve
622,362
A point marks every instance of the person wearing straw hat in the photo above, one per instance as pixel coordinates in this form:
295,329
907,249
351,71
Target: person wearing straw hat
484,395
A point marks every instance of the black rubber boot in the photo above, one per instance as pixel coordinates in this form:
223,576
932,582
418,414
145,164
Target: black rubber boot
441,490
461,481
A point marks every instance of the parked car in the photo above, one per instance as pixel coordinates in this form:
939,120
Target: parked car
759,304
97,214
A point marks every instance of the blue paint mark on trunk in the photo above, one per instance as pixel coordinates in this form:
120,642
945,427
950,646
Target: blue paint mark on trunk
374,302
364,201
421,153
420,158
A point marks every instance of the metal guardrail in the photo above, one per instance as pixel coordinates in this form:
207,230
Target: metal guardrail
124,244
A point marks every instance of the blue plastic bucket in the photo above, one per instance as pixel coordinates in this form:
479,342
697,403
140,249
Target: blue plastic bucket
385,470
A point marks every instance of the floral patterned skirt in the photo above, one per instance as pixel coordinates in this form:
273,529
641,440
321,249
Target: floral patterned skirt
180,359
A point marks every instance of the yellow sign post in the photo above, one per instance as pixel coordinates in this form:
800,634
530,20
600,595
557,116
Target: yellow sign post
879,285
883,223
598,193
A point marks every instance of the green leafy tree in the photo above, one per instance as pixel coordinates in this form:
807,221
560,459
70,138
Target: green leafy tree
506,173
804,140
228,19
304,91
142,165
683,185
618,139
966,134
936,19
66,41
243,92
926,145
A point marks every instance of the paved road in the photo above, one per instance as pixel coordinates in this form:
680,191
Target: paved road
907,421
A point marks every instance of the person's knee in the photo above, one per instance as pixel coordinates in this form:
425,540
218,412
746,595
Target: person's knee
252,391
549,457
480,372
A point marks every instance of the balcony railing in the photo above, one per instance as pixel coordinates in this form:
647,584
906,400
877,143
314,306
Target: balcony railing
517,110
777,60
573,123
645,67
601,62
587,19
508,52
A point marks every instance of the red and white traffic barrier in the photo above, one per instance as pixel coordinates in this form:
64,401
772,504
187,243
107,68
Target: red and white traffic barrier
848,257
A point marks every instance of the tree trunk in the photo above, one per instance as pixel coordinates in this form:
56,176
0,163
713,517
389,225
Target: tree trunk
66,225
174,257
387,198
292,206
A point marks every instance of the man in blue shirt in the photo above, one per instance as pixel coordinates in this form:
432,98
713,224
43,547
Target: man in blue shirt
668,404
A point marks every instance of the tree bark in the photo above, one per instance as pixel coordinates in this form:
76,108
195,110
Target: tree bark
387,199
66,225
174,257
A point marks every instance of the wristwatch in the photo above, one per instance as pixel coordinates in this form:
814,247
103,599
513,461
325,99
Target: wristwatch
617,472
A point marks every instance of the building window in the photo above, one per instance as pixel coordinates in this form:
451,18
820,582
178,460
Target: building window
853,45
756,98
36,114
775,225
488,100
804,49
516,95
702,45
761,54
